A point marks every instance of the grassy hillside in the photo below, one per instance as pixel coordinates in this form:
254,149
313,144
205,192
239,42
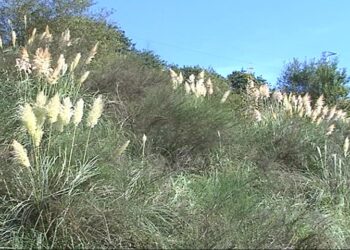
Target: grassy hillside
110,152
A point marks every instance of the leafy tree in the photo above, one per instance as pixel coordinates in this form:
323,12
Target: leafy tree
150,59
315,77
37,12
240,79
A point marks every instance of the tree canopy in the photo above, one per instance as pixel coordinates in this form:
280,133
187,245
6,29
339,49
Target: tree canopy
239,80
316,77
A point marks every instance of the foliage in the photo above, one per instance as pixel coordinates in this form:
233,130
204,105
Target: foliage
37,13
168,165
316,77
240,79
220,81
181,127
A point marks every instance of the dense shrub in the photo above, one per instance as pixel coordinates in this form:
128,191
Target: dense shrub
182,127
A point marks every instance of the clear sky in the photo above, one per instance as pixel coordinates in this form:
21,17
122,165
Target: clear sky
230,35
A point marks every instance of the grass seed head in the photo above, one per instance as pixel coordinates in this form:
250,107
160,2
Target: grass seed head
257,115
264,91
53,108
201,75
78,112
319,120
29,119
201,90
209,85
65,38
38,136
20,154
24,54
173,74
66,111
180,78
95,112
331,113
53,78
13,38
84,77
47,36
187,88
122,149
277,96
324,111
330,129
42,61
75,62
225,96
92,54
32,37
144,139
319,103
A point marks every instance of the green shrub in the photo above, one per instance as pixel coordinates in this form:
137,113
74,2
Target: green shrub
182,127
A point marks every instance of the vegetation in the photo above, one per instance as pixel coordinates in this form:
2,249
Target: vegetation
239,80
315,77
103,146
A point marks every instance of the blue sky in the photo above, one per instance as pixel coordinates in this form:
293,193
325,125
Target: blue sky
229,35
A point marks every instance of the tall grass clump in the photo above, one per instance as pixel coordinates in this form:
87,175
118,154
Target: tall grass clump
47,177
47,62
287,128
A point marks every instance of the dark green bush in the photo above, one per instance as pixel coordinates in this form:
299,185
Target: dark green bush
182,127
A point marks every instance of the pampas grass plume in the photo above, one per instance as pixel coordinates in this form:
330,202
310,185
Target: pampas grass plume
264,91
201,75
257,115
180,78
38,135
66,111
13,38
172,73
75,62
201,90
122,149
330,129
41,99
29,119
53,108
144,139
78,112
32,37
42,60
277,96
20,154
209,85
84,77
24,54
95,112
225,96
92,54
46,35
187,88
331,113
65,38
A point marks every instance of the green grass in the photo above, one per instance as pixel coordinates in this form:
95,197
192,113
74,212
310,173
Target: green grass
208,176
